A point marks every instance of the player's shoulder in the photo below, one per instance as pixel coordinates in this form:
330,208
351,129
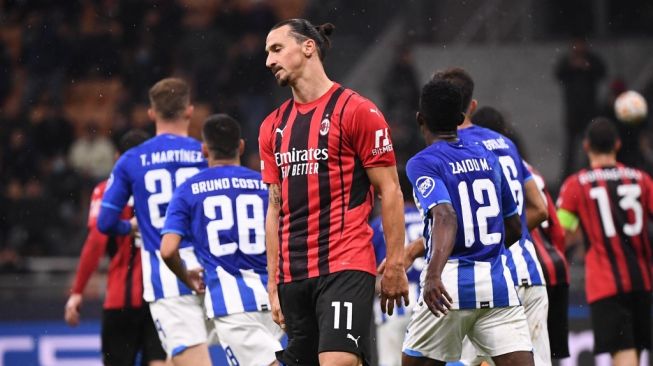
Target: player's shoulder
99,189
274,118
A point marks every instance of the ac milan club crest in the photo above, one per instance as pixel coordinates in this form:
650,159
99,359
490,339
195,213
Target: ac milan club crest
324,126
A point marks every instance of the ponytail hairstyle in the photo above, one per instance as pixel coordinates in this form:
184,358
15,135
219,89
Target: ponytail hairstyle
302,29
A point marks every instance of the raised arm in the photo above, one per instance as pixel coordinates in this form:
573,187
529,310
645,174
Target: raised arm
394,284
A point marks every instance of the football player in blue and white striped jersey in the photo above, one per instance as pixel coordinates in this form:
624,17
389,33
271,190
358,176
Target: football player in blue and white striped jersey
470,215
221,210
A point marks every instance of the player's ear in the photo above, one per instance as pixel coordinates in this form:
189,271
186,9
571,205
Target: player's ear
419,117
309,48
241,147
473,104
586,146
617,145
188,112
205,150
151,114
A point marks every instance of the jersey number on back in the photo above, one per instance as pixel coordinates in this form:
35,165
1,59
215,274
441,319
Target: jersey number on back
485,211
629,194
245,223
163,194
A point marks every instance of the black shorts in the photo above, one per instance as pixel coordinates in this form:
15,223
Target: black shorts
622,322
125,332
328,313
558,320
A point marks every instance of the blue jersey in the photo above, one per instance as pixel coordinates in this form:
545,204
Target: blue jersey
524,265
414,229
222,212
150,172
469,178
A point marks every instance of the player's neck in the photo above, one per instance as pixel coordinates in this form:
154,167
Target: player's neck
177,127
311,85
602,160
466,123
223,162
441,136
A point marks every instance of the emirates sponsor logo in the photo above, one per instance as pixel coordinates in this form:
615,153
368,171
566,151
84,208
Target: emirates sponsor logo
300,161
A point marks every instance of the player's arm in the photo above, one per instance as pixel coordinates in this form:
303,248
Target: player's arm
394,283
94,246
272,249
536,210
512,225
115,198
570,192
175,228
170,253
443,239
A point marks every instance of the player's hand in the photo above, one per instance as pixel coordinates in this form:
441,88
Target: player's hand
134,224
394,287
195,280
436,296
71,312
277,315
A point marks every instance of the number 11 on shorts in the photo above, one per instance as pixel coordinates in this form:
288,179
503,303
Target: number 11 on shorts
336,313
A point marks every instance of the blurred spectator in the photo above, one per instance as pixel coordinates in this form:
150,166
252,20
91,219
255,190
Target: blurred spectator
100,35
400,91
20,159
45,55
91,155
51,133
6,73
579,73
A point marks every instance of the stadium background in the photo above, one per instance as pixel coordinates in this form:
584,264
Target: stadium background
74,76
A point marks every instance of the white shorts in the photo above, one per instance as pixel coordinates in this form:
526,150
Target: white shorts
442,338
180,321
536,307
250,338
390,338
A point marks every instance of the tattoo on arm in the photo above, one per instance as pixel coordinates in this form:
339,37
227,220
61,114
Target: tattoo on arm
275,195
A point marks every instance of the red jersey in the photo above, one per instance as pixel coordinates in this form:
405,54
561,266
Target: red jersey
318,152
549,239
125,278
613,204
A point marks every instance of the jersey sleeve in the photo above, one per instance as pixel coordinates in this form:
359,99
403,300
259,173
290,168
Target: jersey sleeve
269,168
370,136
527,172
116,196
428,186
178,214
569,197
508,204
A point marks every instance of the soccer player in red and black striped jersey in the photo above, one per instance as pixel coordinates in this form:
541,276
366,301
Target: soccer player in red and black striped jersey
324,154
613,204
127,326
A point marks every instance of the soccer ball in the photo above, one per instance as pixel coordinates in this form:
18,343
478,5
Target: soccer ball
630,107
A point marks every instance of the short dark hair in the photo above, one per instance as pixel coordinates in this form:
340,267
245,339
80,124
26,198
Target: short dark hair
302,29
461,79
132,138
170,97
491,118
221,134
440,104
602,135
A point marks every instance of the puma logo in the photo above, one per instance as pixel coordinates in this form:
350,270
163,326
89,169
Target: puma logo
279,131
349,336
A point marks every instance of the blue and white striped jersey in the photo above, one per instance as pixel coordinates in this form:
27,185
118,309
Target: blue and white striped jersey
150,172
221,210
469,178
524,265
414,229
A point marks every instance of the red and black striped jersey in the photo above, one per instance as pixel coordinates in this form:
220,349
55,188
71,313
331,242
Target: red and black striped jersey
125,277
613,205
318,152
549,239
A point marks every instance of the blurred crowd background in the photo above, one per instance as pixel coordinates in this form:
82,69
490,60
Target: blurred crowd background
74,77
